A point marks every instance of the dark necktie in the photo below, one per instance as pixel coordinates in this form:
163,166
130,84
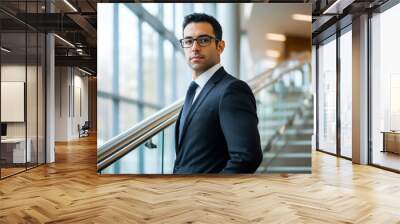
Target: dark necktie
186,106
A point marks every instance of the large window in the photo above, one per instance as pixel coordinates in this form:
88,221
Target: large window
346,93
385,87
22,102
146,72
140,77
170,74
149,62
327,96
328,112
128,51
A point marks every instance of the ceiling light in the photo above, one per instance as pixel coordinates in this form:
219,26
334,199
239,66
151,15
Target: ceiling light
5,50
65,41
273,53
302,17
275,37
84,71
70,5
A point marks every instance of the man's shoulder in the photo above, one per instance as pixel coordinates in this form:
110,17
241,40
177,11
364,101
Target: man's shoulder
231,82
228,79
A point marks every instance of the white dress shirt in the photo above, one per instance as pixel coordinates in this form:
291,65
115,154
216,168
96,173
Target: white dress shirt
203,78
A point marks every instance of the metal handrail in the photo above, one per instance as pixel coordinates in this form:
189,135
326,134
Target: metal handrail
120,145
258,83
125,138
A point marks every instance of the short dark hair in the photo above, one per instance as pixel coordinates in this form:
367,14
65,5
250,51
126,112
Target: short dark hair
202,17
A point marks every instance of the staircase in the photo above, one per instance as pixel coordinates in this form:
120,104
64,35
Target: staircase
286,135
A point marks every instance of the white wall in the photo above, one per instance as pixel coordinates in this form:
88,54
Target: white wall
12,73
61,103
81,84
71,94
33,126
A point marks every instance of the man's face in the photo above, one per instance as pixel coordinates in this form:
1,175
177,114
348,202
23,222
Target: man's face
202,58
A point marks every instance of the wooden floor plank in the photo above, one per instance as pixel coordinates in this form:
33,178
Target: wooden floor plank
70,191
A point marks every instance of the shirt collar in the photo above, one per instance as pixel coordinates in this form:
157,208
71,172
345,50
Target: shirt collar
203,78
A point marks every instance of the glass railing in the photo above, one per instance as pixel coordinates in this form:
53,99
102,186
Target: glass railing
288,150
149,147
282,109
155,156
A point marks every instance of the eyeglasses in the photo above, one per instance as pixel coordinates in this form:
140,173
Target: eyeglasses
203,41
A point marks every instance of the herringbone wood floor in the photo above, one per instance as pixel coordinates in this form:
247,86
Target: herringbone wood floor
70,191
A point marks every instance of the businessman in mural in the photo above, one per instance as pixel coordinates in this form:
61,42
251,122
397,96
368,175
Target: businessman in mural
216,131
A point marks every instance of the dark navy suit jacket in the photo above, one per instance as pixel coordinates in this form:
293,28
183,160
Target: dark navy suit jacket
220,134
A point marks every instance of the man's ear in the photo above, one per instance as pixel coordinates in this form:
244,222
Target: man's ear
220,46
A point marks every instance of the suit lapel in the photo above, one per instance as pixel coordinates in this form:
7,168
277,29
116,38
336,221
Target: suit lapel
177,131
200,98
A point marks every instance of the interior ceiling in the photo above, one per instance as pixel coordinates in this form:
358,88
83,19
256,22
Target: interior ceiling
80,27
16,42
59,5
275,18
332,15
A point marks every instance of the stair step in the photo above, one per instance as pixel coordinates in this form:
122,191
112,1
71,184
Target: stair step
284,161
303,126
303,122
280,114
292,143
287,106
273,123
267,131
294,149
285,169
290,149
292,131
290,155
297,137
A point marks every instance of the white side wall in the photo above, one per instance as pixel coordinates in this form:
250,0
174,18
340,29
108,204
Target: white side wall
71,102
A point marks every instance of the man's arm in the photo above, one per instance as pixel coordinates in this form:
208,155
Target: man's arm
238,119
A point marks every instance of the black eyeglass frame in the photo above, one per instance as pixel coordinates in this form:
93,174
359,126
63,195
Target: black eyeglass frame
196,39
